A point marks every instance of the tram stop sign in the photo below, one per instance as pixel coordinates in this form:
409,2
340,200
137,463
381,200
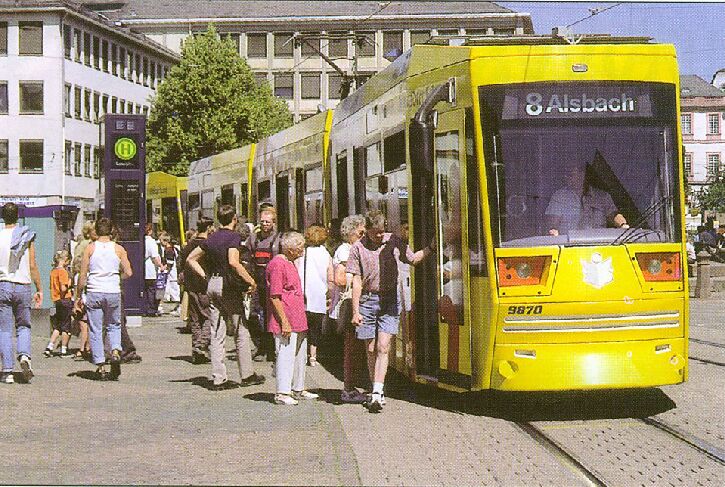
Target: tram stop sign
125,148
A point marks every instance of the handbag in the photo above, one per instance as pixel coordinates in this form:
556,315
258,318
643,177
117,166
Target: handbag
343,310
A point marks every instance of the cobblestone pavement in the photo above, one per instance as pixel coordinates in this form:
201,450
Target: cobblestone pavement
160,424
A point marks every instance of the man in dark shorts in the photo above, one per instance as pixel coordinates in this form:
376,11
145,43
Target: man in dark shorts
222,247
373,263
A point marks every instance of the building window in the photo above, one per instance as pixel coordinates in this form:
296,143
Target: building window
77,45
713,124
686,122
137,67
67,41
283,45
86,49
145,72
257,45
310,86
4,158
310,47
104,56
336,47
31,39
334,85
713,165
687,162
31,156
261,78
96,52
97,158
104,105
122,62
68,156
77,159
31,97
284,86
67,92
153,75
87,160
3,98
419,37
448,32
114,59
365,44
96,106
114,105
77,103
86,104
3,38
392,43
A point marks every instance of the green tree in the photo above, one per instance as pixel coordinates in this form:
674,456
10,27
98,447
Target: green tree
712,198
209,103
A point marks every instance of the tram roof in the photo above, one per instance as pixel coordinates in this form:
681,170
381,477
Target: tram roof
401,68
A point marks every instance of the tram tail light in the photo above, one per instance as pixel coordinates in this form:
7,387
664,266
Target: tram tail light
522,271
660,266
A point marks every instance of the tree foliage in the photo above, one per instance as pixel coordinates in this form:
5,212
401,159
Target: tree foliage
209,103
713,196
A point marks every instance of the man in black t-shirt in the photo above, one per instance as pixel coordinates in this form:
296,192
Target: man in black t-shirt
195,287
222,249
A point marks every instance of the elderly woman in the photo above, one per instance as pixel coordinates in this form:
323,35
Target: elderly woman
287,322
312,269
351,229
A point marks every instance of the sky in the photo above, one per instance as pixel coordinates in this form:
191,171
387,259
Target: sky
696,29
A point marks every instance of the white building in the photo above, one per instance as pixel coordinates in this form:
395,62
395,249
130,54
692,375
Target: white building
702,117
62,67
262,31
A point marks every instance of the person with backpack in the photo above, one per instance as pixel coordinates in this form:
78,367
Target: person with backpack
263,245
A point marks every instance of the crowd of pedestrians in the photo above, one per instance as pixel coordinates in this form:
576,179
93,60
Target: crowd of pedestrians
277,294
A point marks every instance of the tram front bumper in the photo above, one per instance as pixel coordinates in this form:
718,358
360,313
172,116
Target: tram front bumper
602,365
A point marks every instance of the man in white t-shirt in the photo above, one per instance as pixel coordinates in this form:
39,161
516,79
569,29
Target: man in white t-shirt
152,262
578,206
18,270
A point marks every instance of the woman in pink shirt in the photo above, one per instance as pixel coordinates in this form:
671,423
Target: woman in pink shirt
287,321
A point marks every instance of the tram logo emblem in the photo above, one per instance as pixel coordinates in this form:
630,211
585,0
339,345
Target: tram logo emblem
125,149
598,273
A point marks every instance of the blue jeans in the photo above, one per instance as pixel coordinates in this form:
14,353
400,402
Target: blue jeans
376,316
104,309
15,302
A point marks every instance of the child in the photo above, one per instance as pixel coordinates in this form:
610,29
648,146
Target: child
60,293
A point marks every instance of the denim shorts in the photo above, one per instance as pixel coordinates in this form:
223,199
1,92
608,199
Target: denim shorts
387,320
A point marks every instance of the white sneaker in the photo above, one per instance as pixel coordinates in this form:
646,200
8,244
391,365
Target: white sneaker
7,378
285,399
305,395
27,368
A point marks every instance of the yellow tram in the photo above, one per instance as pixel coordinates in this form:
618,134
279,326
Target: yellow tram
166,203
548,175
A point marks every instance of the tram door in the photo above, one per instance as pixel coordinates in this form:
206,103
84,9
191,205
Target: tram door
454,336
282,196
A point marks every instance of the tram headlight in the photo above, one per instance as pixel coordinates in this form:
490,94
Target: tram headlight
523,271
659,266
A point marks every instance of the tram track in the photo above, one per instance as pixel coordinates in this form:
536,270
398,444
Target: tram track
693,441
707,342
565,457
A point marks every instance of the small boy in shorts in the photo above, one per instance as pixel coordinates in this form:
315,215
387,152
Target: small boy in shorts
60,293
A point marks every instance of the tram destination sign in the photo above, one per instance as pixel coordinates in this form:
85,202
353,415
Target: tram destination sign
576,101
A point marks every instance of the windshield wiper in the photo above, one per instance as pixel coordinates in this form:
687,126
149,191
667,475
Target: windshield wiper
628,234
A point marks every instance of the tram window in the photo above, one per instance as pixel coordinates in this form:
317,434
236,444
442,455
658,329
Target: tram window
243,200
227,195
373,164
313,179
264,190
476,247
194,202
342,191
394,150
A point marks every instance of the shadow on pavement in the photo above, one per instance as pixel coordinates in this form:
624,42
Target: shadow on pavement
183,358
85,374
203,381
260,396
535,406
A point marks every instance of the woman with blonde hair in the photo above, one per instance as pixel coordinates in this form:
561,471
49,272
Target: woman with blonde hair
312,268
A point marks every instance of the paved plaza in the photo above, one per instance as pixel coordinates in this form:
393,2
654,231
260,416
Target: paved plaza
161,424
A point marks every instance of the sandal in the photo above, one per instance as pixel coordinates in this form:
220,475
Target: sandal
78,357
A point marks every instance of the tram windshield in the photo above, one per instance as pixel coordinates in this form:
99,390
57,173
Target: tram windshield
581,163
